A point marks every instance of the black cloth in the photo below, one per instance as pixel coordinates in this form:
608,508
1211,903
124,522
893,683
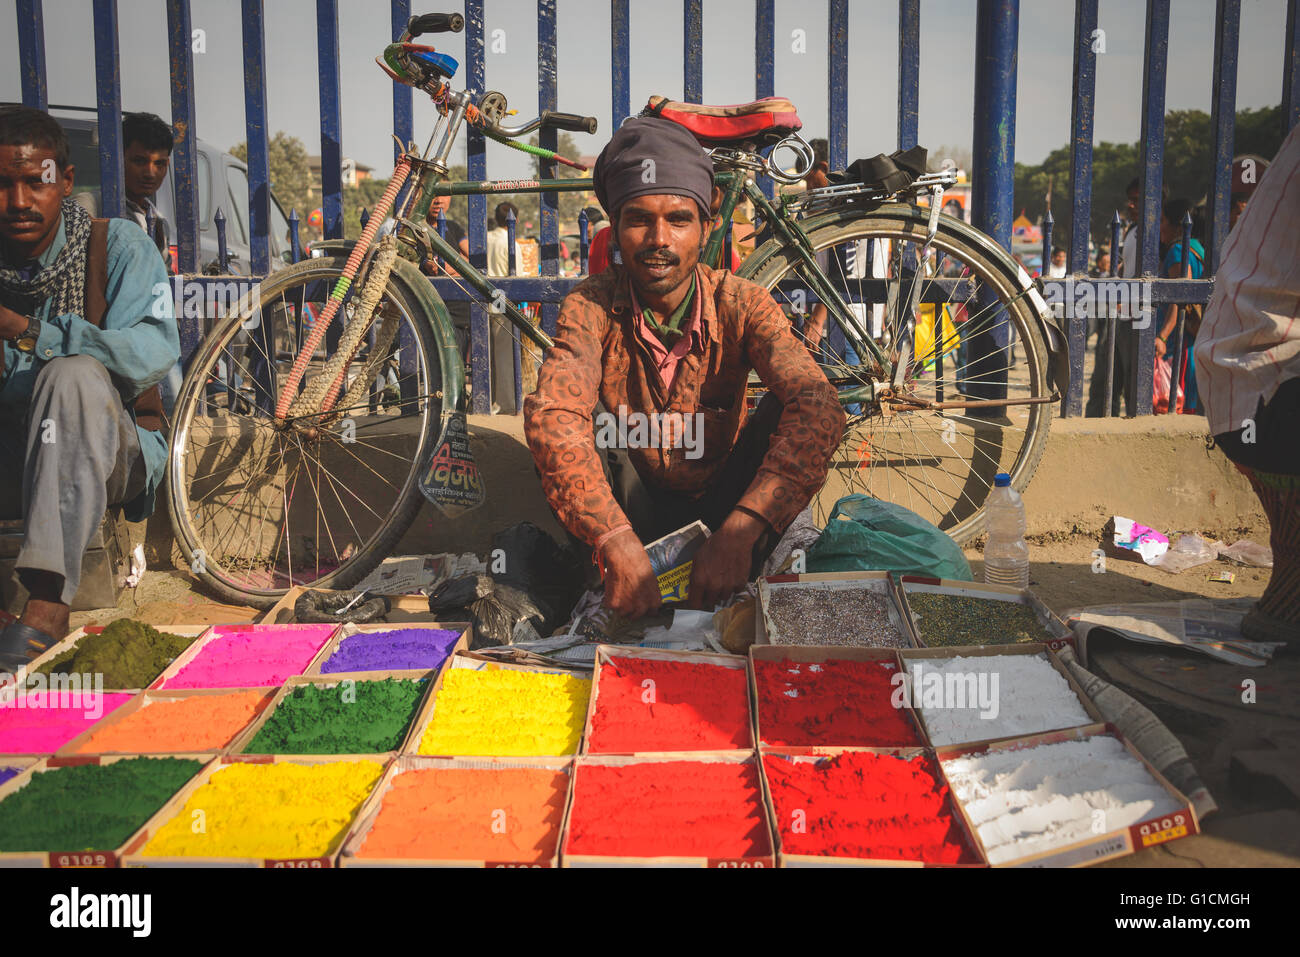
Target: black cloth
649,155
1274,448
1126,343
654,512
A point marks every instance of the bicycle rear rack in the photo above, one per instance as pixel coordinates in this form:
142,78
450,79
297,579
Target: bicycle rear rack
828,196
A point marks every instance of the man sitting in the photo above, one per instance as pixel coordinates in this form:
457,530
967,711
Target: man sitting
88,330
664,336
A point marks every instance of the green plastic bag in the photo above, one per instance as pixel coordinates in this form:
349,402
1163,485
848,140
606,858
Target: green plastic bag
866,534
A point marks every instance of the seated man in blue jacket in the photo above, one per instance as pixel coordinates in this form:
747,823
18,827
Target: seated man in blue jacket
86,331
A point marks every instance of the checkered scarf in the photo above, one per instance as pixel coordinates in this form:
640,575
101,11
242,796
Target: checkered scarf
64,280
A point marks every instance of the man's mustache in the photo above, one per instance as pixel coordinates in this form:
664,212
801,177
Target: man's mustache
661,255
23,218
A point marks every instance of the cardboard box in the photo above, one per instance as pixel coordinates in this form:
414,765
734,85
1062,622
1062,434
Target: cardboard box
605,652
799,756
131,855
347,631
766,858
194,650
148,698
467,660
879,583
812,654
245,737
98,857
1156,829
1061,633
403,608
68,643
13,759
370,811
987,651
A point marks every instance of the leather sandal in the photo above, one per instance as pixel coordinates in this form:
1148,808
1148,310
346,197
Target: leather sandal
21,644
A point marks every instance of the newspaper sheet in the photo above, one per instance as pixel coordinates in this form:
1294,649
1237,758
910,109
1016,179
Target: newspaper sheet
1210,626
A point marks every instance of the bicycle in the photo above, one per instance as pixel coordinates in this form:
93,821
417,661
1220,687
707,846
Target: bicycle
274,408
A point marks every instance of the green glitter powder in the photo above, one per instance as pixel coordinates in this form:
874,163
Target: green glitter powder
129,654
90,807
946,620
353,717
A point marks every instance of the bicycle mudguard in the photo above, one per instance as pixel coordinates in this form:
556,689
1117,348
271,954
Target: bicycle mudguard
1058,356
450,477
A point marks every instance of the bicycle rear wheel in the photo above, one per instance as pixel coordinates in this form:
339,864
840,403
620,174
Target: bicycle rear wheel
953,316
260,506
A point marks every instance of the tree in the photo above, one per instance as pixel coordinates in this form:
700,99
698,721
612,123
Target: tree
290,173
1188,168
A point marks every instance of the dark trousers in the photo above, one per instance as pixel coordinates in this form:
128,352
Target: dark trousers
1274,447
654,512
1126,342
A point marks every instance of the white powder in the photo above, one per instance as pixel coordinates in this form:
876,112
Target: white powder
968,698
1032,800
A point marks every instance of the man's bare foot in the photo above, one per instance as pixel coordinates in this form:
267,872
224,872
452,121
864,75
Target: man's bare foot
50,617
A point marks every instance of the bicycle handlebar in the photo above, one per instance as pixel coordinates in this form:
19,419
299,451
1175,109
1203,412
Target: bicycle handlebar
435,23
568,121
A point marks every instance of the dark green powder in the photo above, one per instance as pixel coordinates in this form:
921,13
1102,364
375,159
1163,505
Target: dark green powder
89,807
352,717
945,620
129,654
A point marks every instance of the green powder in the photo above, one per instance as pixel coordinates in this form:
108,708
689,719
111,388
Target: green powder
353,717
89,807
129,654
946,620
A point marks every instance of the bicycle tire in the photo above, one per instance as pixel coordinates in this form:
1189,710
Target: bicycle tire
253,425
774,263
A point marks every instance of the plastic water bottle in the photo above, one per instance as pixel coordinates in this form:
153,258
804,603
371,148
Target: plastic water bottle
1006,556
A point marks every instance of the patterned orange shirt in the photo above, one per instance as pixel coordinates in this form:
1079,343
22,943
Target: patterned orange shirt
599,356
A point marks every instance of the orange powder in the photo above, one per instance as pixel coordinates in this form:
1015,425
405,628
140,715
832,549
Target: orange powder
198,722
505,815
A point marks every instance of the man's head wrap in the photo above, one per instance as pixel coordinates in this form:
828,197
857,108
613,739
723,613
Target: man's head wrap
678,164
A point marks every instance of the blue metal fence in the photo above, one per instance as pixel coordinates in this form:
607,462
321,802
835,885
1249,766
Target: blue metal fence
996,45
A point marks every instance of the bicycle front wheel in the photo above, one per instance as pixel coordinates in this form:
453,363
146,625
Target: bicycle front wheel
957,327
260,506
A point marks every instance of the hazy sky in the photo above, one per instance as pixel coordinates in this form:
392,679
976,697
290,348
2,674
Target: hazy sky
947,66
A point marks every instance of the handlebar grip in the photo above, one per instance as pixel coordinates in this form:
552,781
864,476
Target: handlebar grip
569,121
435,23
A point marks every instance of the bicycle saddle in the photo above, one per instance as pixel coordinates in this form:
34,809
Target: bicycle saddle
762,122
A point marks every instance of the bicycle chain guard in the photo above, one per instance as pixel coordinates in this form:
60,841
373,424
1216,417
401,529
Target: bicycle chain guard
451,477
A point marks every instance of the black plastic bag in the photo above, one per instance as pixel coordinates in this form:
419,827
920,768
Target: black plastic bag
547,574
316,607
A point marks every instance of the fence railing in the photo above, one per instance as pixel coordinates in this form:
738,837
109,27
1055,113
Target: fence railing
996,43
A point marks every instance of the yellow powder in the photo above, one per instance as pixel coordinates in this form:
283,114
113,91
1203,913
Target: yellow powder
268,810
506,713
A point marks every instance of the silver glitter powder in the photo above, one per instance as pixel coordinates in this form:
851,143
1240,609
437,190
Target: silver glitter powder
822,616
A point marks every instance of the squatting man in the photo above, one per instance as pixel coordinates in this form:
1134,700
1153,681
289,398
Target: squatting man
666,338
84,342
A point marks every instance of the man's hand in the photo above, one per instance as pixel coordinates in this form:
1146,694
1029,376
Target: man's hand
1160,347
721,565
631,589
11,323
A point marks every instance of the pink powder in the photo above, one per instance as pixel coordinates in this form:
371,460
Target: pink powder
252,656
44,721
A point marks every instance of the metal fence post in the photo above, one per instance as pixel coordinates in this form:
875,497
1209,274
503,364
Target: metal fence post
1291,66
1153,150
180,57
838,77
331,121
765,65
108,87
909,71
476,160
31,54
693,51
259,170
620,63
403,124
1223,114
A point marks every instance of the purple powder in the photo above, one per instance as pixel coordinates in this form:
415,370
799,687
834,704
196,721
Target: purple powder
7,773
392,650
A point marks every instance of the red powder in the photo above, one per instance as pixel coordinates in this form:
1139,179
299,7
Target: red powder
861,804
647,704
667,809
836,703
